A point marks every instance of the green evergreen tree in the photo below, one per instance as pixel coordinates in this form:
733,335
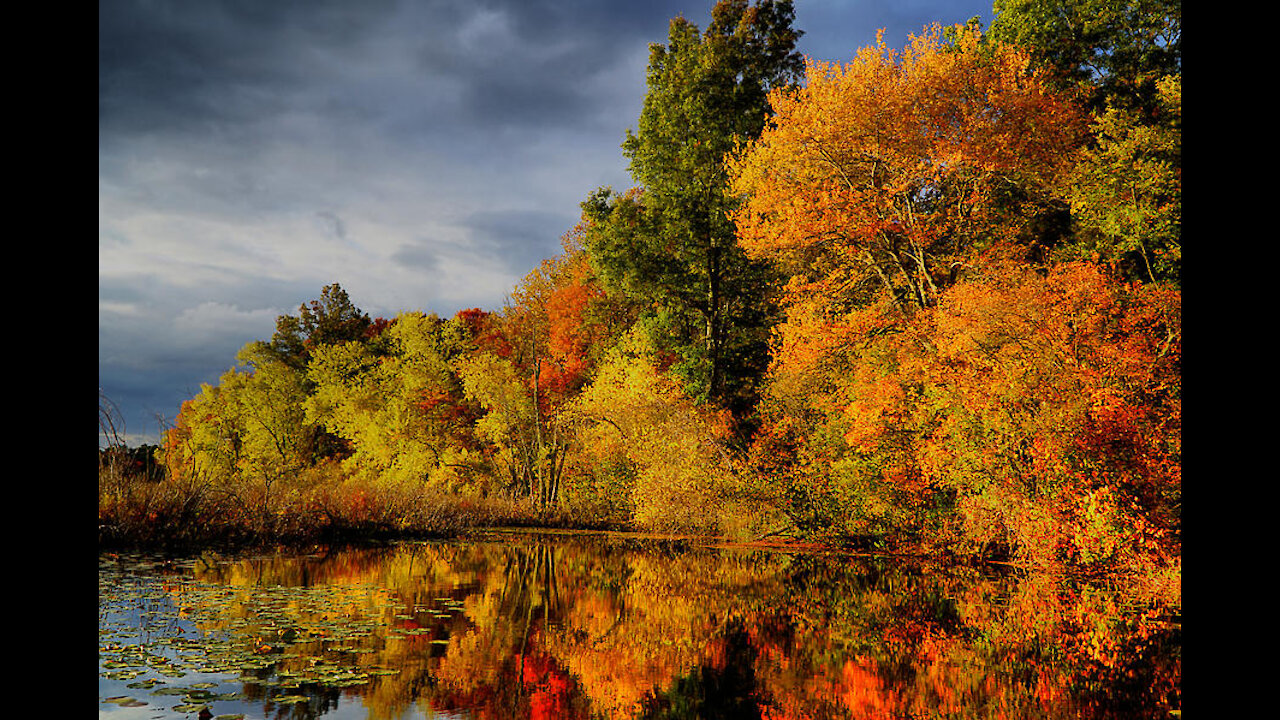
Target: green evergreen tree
331,320
671,243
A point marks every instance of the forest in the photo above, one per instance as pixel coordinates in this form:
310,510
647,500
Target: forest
927,301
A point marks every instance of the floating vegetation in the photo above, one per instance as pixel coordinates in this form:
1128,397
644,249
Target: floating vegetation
282,644
124,701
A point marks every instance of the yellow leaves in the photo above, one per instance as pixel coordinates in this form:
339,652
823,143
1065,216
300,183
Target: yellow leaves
633,413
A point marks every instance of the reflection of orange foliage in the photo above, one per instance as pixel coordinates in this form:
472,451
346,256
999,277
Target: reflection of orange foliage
618,678
864,693
548,687
855,690
1020,646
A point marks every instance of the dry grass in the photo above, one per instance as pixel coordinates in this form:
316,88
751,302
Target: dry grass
317,506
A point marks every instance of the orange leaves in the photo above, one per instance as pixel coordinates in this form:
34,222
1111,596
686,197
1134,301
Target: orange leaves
574,336
1019,394
897,164
863,692
1054,395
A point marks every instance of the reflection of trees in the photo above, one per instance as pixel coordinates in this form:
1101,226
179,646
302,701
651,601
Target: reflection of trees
722,687
499,666
540,628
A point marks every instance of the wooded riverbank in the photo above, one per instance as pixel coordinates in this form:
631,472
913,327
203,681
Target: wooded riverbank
929,299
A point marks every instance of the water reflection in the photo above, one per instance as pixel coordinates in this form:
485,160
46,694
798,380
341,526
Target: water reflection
530,626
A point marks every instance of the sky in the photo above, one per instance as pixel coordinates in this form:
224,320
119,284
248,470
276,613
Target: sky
423,154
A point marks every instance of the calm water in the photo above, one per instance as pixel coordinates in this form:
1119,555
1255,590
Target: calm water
542,626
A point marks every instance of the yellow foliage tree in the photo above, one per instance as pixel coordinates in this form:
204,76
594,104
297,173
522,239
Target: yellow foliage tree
647,443
383,404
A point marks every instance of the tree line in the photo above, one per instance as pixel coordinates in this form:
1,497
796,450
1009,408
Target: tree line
931,296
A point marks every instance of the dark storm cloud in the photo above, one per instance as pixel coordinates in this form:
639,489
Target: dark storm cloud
163,65
520,239
215,66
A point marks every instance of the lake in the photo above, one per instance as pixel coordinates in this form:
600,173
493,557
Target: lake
561,625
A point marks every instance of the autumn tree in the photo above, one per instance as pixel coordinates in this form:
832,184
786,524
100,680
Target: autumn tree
533,357
1126,191
251,425
275,439
203,445
1124,59
929,380
650,450
529,448
672,245
243,440
893,173
506,377
401,411
1051,407
559,321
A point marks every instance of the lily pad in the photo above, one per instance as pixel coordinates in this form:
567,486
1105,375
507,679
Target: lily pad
124,701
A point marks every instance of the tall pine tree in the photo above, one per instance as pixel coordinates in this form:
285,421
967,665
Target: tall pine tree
672,243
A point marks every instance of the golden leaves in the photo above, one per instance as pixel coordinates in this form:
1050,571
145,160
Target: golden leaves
891,165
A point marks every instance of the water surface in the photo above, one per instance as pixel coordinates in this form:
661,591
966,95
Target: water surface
536,625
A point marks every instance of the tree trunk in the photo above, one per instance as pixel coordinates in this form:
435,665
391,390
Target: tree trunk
715,321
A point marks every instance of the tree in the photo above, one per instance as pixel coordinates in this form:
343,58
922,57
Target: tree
930,380
401,410
1053,410
331,320
245,436
672,244
1124,59
1115,52
1126,191
530,447
252,425
204,444
275,441
893,173
648,447
110,422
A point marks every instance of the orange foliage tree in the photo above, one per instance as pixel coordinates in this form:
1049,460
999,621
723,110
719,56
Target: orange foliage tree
543,349
890,172
1053,410
933,373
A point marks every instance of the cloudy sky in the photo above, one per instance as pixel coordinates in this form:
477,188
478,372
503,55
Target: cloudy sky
425,154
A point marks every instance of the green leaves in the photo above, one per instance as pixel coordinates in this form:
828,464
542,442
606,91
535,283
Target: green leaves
672,243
